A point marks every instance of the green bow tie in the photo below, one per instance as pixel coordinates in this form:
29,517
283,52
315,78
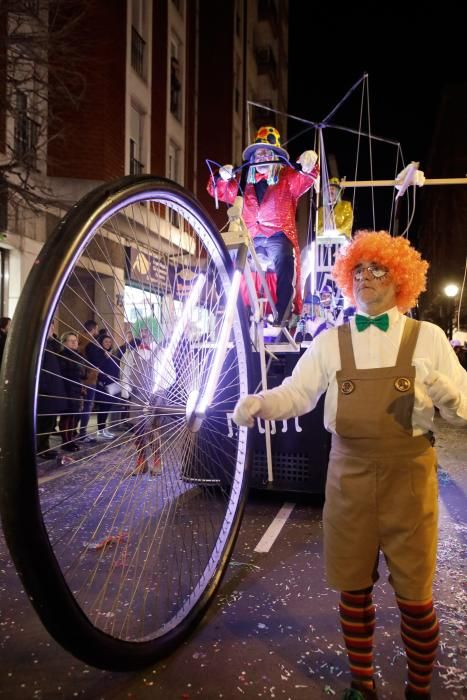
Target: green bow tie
381,322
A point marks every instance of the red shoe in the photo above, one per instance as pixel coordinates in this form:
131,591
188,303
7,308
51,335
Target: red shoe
156,468
141,466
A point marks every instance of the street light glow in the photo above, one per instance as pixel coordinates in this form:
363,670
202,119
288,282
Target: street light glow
451,290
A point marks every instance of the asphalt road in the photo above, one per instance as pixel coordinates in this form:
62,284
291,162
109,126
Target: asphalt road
272,631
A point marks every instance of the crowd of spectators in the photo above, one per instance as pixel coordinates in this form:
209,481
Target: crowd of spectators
81,377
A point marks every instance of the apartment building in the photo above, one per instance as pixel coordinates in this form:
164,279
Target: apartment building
161,85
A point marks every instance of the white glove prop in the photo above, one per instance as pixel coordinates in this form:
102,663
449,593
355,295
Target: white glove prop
441,390
419,178
246,410
410,176
308,160
226,172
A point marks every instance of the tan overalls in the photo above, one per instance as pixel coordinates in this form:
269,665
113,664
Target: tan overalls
382,489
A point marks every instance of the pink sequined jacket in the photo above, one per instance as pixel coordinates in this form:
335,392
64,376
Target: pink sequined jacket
276,212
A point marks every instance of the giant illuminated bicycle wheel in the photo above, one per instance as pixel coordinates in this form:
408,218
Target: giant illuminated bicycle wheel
122,542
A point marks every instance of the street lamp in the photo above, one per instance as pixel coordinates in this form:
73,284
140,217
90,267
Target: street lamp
450,290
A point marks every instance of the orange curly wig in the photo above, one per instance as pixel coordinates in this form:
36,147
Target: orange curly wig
404,263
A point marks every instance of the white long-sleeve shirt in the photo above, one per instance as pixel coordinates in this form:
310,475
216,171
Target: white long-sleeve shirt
315,373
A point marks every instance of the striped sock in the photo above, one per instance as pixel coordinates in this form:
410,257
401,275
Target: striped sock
420,634
357,615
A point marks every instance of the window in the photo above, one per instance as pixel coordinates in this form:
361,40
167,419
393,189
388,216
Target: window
26,131
174,174
4,279
178,4
136,141
138,46
138,36
140,304
175,79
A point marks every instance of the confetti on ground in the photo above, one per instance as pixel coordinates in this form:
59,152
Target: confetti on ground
109,540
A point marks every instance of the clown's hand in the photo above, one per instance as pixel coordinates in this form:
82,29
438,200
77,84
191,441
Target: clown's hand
441,390
308,160
226,172
246,410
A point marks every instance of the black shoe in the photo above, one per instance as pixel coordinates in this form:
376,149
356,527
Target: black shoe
48,454
410,695
70,447
358,692
352,694
298,337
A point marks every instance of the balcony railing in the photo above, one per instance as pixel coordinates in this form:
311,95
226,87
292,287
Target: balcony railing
136,166
138,47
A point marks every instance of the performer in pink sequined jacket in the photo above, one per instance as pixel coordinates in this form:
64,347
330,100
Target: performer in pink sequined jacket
270,203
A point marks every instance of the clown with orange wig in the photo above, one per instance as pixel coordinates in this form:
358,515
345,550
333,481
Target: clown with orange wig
383,373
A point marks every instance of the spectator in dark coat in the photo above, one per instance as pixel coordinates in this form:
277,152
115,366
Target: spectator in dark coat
71,365
93,354
106,389
51,400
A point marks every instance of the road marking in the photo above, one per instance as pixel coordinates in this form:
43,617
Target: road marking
273,531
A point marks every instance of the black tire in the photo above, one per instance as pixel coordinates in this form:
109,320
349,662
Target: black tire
121,567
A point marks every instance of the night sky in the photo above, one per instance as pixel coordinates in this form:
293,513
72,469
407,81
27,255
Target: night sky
409,55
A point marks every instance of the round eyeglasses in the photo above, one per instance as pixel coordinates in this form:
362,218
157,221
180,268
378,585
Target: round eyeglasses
376,271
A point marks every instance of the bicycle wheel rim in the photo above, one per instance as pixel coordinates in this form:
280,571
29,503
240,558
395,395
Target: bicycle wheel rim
53,537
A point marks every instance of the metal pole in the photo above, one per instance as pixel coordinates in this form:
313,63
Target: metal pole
392,183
